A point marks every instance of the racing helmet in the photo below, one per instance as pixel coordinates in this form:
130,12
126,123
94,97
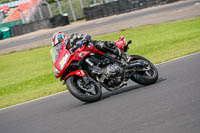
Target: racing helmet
58,37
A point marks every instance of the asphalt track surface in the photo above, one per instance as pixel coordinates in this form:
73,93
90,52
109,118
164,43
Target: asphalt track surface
140,17
169,106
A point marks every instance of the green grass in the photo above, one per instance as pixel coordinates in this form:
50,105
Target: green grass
28,75
162,42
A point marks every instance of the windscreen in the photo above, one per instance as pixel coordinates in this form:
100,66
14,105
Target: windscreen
54,52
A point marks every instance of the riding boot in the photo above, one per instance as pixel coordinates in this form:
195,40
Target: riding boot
110,47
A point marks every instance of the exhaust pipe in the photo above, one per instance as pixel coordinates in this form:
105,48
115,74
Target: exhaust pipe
139,65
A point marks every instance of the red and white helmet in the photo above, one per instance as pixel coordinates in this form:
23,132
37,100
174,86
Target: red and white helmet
58,37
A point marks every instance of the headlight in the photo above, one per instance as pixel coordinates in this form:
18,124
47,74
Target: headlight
56,72
63,61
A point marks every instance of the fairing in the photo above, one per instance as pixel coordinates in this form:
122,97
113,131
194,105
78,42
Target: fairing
62,58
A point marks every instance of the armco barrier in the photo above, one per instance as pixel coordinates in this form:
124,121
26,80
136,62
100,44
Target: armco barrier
27,28
59,20
120,6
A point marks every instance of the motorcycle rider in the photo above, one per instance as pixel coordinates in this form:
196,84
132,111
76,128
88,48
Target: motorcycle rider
76,40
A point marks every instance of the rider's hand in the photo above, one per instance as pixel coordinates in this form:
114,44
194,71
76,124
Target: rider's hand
74,48
85,42
82,42
79,44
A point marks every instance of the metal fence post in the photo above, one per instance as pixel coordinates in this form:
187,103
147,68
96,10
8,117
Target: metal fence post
59,7
49,8
71,7
22,16
40,12
33,18
81,2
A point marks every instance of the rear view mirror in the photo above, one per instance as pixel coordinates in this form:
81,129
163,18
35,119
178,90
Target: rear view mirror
129,42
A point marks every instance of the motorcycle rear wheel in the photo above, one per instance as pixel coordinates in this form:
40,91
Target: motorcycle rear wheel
144,77
90,93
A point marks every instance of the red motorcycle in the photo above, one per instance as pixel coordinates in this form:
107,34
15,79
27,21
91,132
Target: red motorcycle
86,70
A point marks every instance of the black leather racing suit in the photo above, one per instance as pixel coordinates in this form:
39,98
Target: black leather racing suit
76,40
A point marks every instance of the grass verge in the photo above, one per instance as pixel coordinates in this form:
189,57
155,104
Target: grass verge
28,75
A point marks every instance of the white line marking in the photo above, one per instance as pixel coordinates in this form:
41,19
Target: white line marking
34,100
102,21
197,4
31,37
67,90
71,28
178,58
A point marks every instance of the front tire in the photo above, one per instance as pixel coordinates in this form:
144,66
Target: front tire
144,77
90,93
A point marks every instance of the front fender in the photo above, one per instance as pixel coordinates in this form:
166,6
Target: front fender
79,73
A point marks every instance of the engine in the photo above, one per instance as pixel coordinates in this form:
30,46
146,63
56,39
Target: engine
112,70
112,75
108,73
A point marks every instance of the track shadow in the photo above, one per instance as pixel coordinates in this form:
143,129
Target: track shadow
126,89
77,104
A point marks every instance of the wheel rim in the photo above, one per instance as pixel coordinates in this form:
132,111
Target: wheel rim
150,73
149,70
86,88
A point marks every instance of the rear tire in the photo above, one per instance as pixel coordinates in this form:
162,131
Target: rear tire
145,77
75,89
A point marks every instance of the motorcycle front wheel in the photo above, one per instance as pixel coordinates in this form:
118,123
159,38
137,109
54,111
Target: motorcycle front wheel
144,77
87,92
